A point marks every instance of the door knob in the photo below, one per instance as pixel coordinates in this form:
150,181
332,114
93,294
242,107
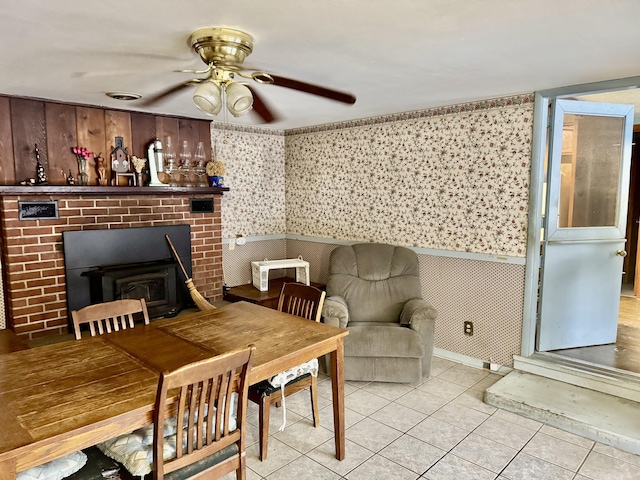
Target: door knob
621,253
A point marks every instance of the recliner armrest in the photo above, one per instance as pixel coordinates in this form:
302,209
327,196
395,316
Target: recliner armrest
418,314
335,311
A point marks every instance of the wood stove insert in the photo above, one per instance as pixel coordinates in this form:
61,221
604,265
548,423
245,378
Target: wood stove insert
154,281
104,265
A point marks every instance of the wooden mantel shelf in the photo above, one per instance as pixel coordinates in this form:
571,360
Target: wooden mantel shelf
99,190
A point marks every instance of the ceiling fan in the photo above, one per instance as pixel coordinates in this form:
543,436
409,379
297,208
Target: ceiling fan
224,50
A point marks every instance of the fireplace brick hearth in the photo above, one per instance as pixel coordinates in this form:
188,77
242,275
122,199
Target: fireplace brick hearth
34,275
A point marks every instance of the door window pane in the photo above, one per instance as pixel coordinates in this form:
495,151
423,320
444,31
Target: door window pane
590,171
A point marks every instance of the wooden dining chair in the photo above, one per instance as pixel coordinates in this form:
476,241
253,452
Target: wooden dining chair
109,317
303,301
199,422
212,443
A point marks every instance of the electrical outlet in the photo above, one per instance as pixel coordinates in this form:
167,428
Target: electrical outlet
468,328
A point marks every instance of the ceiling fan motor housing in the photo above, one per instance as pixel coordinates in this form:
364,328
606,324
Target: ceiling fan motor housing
222,46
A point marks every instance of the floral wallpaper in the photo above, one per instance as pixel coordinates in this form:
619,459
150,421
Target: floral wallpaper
455,178
254,161
452,178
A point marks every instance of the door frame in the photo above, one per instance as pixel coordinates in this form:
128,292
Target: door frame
541,120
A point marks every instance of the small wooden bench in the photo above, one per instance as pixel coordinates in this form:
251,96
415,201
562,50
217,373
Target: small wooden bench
10,342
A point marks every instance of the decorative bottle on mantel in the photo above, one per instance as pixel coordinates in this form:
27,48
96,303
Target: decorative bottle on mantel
41,176
154,156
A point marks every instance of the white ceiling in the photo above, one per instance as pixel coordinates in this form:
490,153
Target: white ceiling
394,55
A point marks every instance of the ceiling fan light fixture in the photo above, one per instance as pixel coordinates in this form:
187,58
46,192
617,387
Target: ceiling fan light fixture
208,98
239,99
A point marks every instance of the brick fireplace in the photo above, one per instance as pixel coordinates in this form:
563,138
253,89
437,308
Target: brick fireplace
33,263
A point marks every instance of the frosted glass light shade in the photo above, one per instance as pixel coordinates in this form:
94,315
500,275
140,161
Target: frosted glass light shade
239,99
208,98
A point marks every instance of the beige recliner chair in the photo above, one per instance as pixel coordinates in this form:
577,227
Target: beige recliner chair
374,291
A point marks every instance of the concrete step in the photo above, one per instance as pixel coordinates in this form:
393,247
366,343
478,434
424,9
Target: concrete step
595,415
600,378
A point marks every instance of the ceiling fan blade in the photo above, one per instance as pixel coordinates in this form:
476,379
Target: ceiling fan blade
260,107
150,100
313,89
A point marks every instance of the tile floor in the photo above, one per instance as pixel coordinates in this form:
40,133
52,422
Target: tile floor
439,429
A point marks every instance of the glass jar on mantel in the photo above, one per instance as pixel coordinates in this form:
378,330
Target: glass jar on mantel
170,167
200,159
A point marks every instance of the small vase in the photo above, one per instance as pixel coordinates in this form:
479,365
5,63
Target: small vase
83,178
216,181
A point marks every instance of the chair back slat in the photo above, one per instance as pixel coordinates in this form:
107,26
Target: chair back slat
182,400
204,409
301,300
214,392
202,425
109,317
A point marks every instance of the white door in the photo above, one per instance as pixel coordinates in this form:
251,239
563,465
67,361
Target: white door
583,242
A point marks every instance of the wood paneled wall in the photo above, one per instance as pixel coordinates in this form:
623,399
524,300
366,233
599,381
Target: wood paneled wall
56,128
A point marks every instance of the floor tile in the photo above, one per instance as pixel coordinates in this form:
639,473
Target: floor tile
325,389
300,403
326,417
279,455
517,419
325,454
356,384
438,433
526,467
484,452
398,416
439,365
487,381
251,434
616,453
371,434
504,432
438,427
412,453
473,398
390,391
556,451
379,467
251,475
422,401
463,417
304,436
441,388
463,375
599,466
303,468
364,402
452,467
566,436
275,417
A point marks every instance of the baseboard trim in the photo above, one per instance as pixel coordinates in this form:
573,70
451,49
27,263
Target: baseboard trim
470,361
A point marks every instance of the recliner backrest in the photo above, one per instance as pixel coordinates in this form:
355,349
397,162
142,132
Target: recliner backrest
374,279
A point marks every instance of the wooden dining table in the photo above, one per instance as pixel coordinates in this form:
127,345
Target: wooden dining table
63,397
